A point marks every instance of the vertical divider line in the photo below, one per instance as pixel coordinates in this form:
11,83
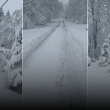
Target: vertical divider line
87,54
22,54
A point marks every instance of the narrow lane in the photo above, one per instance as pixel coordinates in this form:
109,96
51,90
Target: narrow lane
55,76
40,77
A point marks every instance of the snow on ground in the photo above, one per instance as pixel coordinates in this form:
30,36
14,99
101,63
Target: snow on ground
8,97
54,75
31,36
3,81
79,33
76,53
98,86
42,67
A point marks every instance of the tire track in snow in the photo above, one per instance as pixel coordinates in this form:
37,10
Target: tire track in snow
62,78
66,100
79,48
45,73
76,71
65,81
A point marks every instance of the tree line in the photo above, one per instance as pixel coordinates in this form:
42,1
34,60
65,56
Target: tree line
77,10
11,48
40,12
99,25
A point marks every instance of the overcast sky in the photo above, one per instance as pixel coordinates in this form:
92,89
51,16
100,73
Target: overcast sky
11,5
64,1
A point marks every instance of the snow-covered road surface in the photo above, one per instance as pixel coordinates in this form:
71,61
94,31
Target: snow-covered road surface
54,75
32,37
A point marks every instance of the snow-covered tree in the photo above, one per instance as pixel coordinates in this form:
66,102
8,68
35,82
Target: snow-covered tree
8,13
39,12
14,66
76,10
11,52
99,25
15,63
104,59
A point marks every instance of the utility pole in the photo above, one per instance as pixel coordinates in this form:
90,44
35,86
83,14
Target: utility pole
1,9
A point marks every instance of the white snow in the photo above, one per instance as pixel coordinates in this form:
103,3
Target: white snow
3,80
98,86
76,53
55,73
8,97
40,75
31,36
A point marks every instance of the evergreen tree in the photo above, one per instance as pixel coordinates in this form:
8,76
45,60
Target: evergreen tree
11,58
77,10
39,12
99,25
104,59
8,13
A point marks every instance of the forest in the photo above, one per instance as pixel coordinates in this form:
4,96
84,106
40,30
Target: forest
40,12
99,31
76,10
11,49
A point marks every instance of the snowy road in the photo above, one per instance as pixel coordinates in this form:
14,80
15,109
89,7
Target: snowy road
54,74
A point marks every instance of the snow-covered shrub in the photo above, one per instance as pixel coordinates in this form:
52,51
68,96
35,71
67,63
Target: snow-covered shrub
16,77
89,61
104,59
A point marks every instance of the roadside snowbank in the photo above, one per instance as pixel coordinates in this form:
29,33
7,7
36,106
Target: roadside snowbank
33,36
98,85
